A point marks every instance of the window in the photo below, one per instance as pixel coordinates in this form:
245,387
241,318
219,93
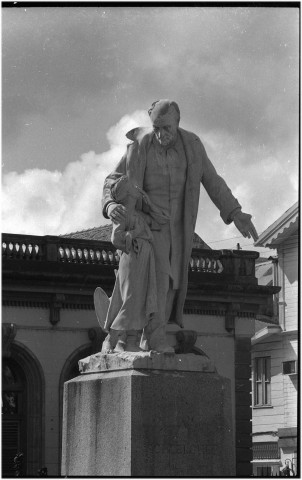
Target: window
265,471
262,383
13,418
265,450
289,368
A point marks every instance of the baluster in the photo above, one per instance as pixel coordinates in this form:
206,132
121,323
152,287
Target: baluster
110,257
23,250
37,252
191,264
34,251
105,257
208,265
80,255
99,257
62,254
199,264
16,250
91,253
217,266
73,254
212,265
67,254
220,266
4,249
85,251
27,253
13,250
10,249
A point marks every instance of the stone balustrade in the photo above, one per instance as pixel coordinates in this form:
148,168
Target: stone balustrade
234,263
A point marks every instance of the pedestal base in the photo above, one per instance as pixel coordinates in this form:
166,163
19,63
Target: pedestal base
148,422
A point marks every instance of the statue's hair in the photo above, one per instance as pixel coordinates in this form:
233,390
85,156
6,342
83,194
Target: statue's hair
166,108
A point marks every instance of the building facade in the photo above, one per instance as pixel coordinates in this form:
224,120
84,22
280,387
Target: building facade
49,324
275,354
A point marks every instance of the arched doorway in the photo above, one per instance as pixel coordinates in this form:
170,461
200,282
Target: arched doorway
22,411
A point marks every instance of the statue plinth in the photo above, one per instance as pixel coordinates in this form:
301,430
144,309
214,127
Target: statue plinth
147,361
147,414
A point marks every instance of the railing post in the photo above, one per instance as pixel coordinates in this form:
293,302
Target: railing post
51,247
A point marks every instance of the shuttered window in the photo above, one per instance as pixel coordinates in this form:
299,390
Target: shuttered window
13,415
10,445
264,471
262,381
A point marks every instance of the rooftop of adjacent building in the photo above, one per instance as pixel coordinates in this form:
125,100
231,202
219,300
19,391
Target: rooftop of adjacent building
103,233
286,225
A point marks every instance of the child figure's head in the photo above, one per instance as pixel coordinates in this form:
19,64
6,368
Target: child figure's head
124,188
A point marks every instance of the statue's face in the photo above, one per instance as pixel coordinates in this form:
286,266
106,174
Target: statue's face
166,131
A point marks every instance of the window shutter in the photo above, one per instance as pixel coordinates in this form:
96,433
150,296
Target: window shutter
10,446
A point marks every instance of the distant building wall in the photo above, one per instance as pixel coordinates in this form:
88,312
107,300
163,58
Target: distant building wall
52,345
270,418
288,274
275,424
48,313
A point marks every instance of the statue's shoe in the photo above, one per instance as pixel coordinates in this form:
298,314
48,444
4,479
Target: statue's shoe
120,346
163,348
107,347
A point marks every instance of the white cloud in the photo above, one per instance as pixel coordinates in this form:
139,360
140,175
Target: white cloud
262,181
43,202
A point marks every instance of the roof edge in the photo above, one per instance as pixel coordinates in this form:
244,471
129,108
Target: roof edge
279,227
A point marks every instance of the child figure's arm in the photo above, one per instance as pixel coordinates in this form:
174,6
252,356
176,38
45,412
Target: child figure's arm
122,238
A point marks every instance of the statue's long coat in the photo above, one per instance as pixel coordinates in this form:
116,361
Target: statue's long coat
199,169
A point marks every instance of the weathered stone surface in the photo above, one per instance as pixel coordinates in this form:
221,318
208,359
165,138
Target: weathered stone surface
148,423
145,360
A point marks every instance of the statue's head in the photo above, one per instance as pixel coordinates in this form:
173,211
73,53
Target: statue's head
165,117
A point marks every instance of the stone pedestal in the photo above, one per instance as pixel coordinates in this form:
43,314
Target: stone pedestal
147,415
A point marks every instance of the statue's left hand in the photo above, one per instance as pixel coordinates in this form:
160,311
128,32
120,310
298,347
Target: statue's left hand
245,225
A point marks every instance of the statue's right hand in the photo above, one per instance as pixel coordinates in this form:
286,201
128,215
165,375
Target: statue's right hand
117,213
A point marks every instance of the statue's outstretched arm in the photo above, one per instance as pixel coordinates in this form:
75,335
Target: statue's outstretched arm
221,195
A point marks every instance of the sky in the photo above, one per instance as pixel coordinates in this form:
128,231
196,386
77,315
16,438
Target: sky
76,79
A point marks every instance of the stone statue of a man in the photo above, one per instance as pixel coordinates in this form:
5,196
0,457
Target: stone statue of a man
169,163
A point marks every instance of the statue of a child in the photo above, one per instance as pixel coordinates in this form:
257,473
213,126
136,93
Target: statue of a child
134,298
